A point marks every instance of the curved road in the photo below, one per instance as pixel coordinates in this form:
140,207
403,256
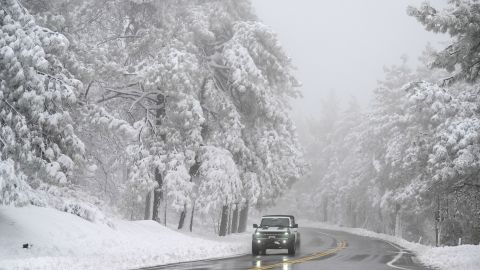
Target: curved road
319,250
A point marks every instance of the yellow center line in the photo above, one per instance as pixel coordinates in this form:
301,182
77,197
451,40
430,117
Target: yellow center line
340,246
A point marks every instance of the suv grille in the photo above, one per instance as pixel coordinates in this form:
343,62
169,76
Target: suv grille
272,233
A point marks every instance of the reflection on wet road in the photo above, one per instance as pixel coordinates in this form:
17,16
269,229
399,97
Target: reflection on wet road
319,250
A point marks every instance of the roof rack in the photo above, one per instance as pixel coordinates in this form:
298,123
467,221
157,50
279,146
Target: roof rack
290,216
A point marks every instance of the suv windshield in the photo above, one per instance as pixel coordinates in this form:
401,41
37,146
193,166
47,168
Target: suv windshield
275,222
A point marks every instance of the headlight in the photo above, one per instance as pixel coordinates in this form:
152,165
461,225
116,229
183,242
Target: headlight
286,233
258,234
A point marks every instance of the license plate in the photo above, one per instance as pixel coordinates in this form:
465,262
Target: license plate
271,237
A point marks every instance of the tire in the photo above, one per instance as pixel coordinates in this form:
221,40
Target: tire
292,247
255,250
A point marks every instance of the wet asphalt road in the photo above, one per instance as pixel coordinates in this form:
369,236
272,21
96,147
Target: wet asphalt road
319,250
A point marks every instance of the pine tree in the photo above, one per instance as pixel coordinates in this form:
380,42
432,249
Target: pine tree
460,20
38,146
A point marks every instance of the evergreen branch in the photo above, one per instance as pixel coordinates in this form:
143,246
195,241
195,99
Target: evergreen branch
50,76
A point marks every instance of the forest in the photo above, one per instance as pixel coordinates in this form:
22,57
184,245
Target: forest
179,111
409,164
149,109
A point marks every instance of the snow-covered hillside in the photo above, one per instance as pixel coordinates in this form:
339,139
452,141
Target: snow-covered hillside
64,241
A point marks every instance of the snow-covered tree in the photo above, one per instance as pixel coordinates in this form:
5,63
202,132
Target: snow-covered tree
219,182
38,144
411,158
185,75
460,19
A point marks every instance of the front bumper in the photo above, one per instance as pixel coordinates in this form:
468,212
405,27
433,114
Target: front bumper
272,243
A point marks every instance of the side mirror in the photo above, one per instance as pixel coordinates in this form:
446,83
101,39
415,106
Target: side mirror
255,226
295,226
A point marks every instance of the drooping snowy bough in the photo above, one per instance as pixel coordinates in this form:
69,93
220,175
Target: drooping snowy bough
38,145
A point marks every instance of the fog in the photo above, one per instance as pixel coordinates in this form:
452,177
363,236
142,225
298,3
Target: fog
343,45
180,114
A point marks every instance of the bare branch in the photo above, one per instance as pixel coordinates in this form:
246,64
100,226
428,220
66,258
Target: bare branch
2,141
105,99
120,96
128,93
215,65
145,95
117,37
13,108
447,81
138,100
88,89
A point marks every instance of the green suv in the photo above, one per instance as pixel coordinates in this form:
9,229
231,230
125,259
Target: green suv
275,232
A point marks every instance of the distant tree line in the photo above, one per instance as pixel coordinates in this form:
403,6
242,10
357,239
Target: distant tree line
409,166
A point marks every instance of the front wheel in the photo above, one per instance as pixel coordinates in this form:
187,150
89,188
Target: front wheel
292,248
255,250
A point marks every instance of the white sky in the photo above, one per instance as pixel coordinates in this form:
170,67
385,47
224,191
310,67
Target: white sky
342,45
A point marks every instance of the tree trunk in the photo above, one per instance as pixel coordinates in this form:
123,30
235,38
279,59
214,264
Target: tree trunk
350,213
437,221
229,221
157,195
325,210
191,217
224,221
355,219
235,219
242,226
148,206
158,191
397,231
182,217
165,214
381,222
193,173
131,210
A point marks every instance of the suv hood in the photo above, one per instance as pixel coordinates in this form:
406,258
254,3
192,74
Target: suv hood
273,229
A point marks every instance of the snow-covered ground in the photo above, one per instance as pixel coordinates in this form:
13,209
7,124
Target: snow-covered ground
64,241
465,257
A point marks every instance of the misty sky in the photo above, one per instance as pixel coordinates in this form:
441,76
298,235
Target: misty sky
342,45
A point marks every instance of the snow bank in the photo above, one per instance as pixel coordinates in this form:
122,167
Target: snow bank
464,257
64,241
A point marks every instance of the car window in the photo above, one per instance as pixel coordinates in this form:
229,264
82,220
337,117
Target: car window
275,222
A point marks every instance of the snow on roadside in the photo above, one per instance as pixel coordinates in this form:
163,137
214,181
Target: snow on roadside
65,241
465,257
